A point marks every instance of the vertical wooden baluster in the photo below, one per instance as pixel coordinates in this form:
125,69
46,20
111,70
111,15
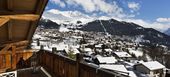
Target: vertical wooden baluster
14,57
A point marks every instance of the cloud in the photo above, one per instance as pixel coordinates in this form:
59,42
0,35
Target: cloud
96,8
59,2
93,6
163,20
62,16
134,6
87,5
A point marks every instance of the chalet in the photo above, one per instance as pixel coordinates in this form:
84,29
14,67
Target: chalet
88,51
116,68
152,68
122,55
98,46
108,51
105,60
71,50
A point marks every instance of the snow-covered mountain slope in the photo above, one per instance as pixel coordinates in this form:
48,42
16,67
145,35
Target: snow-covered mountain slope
121,28
67,17
167,32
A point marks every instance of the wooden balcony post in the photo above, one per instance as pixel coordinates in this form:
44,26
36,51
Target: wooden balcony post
54,49
78,60
14,62
8,62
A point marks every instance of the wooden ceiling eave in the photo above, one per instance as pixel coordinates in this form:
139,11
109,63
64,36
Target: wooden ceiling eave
25,17
13,14
18,22
38,10
3,21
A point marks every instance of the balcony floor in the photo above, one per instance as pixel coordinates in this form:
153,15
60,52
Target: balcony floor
29,73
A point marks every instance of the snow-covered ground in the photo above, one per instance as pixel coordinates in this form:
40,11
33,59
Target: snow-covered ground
63,29
136,52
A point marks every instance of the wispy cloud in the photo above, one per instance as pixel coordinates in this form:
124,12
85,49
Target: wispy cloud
163,20
93,6
92,9
133,6
59,2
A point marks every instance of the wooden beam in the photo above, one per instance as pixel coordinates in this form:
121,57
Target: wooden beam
8,12
18,51
6,48
40,6
18,43
26,17
10,30
6,53
3,21
4,43
9,4
32,29
21,48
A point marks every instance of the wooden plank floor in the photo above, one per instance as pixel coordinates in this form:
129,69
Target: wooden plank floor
29,73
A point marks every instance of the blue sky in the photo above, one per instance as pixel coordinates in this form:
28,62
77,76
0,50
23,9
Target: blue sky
148,13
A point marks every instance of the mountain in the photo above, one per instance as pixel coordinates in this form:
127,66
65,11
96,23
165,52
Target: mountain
48,24
121,28
113,27
167,32
64,17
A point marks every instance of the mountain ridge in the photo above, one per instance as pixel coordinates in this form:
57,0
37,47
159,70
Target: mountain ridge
119,28
167,31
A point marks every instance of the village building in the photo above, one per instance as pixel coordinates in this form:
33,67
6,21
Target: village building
152,68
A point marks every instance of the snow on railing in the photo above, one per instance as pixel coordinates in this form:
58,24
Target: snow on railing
9,74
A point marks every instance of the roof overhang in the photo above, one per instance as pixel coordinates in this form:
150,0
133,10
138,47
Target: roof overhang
19,19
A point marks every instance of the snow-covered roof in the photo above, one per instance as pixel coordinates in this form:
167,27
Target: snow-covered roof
36,47
75,50
77,37
63,29
36,36
122,54
87,49
98,46
61,47
120,68
108,50
132,74
106,60
153,65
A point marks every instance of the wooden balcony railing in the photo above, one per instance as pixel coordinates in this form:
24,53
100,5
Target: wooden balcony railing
61,66
12,54
9,74
57,65
7,60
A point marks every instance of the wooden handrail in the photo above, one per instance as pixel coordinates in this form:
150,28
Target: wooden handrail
20,45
